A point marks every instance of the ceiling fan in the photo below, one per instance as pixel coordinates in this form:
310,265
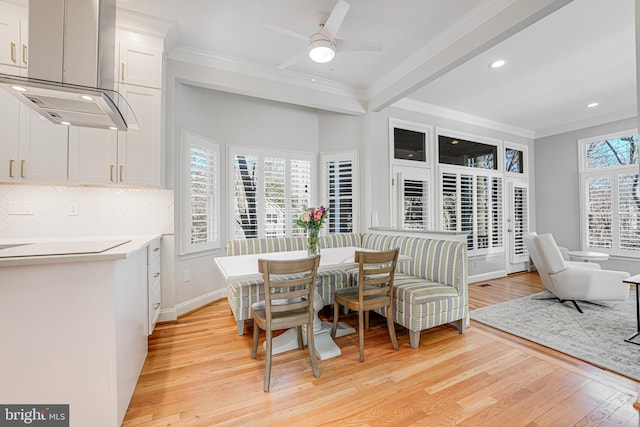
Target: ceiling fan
323,45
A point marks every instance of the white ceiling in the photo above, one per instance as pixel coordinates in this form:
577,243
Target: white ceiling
583,52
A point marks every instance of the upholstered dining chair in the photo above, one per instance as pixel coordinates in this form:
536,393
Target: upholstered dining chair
289,288
573,281
374,289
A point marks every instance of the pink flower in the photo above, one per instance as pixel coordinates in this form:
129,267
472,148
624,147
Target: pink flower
306,217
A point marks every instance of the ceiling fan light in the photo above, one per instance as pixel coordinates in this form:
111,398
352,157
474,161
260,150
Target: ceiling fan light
321,51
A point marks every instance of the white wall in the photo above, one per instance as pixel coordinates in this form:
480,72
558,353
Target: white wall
230,120
557,187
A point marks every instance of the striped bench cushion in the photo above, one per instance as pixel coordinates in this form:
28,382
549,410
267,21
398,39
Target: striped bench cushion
418,291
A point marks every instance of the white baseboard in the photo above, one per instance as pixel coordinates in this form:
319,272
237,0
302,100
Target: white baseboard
487,276
170,314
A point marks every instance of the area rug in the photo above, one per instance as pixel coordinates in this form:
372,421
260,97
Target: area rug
595,336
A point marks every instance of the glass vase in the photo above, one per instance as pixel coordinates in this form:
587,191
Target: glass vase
313,243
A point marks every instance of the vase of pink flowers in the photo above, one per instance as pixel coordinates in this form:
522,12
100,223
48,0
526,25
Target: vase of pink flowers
312,220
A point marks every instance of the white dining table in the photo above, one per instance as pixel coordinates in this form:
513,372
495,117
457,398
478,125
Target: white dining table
241,268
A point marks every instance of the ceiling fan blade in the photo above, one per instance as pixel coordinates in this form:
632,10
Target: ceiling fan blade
289,62
286,32
357,45
334,20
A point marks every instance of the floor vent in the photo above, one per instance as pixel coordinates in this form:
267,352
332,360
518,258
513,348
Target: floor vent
484,285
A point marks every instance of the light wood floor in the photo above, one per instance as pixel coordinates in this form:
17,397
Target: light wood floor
199,373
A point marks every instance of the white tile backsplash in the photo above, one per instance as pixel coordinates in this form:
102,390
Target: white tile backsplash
101,211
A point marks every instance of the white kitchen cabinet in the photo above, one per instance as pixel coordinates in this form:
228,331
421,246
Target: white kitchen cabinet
77,335
13,38
93,156
140,152
139,65
154,284
33,149
131,157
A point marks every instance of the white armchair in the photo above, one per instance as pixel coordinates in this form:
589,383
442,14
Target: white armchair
574,281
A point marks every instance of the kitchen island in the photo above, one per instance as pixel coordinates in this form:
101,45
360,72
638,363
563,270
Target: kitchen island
74,328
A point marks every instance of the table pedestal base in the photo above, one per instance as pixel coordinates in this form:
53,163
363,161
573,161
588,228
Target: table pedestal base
326,348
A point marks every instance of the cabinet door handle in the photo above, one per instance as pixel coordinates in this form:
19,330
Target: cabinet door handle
121,170
24,54
156,249
22,162
111,173
11,168
156,275
13,52
122,71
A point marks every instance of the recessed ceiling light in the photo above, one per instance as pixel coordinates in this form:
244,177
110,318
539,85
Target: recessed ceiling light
19,88
65,123
87,97
497,64
113,128
593,105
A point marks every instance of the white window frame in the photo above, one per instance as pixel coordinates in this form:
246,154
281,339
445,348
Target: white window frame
401,172
261,154
525,160
189,139
345,156
416,127
424,169
613,172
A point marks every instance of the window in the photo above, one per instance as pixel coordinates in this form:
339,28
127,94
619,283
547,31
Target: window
472,202
610,194
201,201
514,161
460,152
269,192
339,191
412,208
410,143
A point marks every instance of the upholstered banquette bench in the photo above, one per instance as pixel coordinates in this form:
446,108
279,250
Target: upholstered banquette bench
430,289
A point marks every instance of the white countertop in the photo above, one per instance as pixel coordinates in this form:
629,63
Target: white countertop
94,244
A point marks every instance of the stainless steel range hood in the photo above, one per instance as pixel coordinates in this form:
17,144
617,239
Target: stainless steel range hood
71,65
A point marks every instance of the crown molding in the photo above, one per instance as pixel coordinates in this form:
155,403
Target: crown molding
129,20
446,113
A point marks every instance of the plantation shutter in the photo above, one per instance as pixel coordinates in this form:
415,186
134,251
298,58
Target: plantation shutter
473,203
245,197
415,204
200,194
520,222
628,209
339,191
275,206
599,211
300,173
449,202
497,216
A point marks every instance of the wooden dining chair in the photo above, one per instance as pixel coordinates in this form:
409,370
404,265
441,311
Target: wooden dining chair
374,290
289,289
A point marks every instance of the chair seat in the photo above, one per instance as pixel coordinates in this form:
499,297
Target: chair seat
349,298
281,320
